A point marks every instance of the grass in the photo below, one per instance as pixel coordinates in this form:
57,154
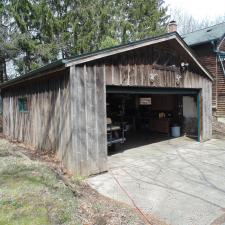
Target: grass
30,193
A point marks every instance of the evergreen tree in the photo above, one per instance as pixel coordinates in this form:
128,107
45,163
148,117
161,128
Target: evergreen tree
141,19
33,33
45,30
7,50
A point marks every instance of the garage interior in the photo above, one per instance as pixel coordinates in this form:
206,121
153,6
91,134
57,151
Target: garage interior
138,119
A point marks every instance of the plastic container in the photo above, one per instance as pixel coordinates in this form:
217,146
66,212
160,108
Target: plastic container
175,131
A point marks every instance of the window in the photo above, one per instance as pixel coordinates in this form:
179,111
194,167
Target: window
22,103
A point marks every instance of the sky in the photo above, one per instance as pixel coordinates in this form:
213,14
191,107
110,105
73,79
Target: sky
200,9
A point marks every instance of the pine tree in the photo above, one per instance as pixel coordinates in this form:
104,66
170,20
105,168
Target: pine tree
33,33
141,19
7,50
45,30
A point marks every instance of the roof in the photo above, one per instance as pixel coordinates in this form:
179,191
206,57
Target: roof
79,59
205,35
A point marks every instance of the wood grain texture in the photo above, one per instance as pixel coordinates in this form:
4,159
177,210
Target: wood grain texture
89,115
67,110
137,70
46,126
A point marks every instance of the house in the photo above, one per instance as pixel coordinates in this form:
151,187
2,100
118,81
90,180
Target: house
209,46
148,85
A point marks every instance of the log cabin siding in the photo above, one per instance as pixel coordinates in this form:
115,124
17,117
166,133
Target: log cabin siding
210,60
221,84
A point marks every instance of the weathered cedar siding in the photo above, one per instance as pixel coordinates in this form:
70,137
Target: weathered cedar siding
167,79
88,107
67,109
46,125
66,115
134,70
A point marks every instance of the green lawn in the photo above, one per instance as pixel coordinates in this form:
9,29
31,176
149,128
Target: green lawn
32,194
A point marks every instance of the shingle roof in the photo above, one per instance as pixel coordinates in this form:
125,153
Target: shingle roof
205,35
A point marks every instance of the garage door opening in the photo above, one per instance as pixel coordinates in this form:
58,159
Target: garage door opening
138,119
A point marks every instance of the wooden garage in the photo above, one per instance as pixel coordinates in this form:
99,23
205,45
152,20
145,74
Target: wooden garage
63,107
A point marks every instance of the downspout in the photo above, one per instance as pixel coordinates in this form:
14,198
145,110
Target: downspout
216,75
220,55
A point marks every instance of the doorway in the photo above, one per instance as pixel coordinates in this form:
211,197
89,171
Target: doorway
140,116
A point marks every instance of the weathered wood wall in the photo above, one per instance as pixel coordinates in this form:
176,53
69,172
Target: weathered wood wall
138,69
88,105
66,115
166,79
67,110
46,126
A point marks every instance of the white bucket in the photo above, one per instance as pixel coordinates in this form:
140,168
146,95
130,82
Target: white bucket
175,131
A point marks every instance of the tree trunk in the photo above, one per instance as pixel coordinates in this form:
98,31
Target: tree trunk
3,75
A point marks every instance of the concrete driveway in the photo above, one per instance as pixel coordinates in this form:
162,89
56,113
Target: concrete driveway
179,181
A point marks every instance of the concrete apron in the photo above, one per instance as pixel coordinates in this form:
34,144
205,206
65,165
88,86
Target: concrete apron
179,181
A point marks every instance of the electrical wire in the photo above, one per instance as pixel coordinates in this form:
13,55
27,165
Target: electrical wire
133,202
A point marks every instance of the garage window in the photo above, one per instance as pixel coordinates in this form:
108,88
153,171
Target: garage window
22,104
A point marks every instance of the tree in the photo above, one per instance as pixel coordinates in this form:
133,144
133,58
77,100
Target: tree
186,23
142,19
7,49
45,30
33,29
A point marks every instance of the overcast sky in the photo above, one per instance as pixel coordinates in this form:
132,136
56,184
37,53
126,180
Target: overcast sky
200,9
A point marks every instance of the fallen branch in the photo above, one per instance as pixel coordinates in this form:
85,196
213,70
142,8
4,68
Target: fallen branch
67,182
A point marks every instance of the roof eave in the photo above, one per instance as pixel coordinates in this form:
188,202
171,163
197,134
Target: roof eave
34,73
120,49
203,42
136,45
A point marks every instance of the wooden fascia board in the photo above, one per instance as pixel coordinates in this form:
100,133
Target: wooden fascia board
194,58
117,51
129,48
23,79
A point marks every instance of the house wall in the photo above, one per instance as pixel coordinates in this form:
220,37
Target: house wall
221,84
209,59
46,126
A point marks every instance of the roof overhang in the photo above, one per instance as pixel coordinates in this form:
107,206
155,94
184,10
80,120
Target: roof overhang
63,64
136,45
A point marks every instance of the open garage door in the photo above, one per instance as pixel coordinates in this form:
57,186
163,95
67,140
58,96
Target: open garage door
139,116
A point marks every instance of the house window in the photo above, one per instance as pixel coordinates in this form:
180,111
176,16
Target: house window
22,103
